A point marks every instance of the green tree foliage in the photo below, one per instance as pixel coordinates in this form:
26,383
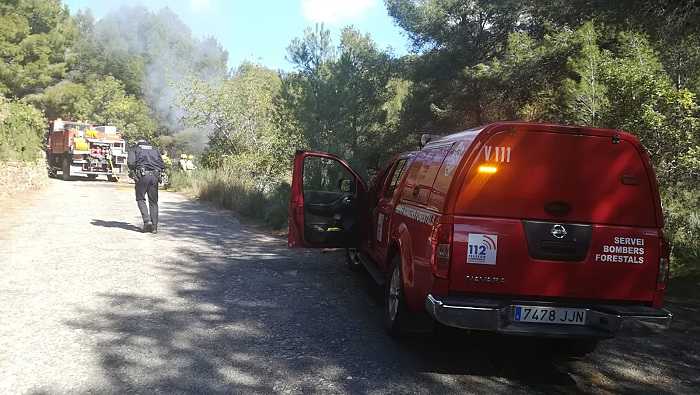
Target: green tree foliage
150,52
102,101
341,97
586,97
22,130
646,102
35,36
683,225
66,100
455,36
240,114
671,25
95,55
109,104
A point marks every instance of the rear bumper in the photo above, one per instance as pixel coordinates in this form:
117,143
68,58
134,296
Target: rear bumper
494,315
77,169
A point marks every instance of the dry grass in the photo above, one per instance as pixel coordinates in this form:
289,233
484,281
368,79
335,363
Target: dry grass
228,190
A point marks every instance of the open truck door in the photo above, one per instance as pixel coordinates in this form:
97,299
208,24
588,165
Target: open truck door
327,202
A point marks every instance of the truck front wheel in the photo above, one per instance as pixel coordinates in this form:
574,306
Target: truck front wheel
396,314
66,169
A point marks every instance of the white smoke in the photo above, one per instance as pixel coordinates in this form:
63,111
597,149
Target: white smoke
169,54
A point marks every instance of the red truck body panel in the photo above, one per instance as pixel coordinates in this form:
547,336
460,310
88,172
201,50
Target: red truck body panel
60,142
516,273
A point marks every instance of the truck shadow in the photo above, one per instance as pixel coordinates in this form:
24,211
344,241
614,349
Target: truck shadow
245,314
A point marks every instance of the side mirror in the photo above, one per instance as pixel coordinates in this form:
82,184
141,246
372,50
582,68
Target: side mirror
345,185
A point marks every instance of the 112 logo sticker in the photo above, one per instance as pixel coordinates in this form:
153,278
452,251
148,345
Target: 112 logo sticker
482,249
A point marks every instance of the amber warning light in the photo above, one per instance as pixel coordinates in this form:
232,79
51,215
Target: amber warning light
487,169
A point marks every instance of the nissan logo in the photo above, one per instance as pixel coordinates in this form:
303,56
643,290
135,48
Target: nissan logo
558,231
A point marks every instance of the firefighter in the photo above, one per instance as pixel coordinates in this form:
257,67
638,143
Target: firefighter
165,176
146,165
190,163
166,160
183,162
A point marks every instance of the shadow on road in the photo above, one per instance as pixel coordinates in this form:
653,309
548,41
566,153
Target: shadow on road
250,316
115,224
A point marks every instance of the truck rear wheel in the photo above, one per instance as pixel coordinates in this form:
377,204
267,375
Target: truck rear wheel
396,314
66,169
112,178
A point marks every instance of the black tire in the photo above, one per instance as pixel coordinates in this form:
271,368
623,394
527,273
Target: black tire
92,176
352,259
112,178
65,168
49,166
396,314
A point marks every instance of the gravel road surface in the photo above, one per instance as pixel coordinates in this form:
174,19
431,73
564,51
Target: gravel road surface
88,304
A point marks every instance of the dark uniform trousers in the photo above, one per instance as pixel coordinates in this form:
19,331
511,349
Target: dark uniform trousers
146,163
148,185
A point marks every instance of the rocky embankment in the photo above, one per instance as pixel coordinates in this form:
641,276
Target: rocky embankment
16,177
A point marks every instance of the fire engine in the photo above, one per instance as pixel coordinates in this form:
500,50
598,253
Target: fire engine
80,148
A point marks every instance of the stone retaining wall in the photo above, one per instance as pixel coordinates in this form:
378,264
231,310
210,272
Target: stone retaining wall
17,177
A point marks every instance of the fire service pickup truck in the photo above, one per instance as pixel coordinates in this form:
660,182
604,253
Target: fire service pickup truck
515,228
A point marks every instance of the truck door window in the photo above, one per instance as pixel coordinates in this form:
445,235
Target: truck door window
399,170
326,176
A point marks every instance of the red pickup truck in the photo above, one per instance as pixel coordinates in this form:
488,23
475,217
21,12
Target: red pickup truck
515,228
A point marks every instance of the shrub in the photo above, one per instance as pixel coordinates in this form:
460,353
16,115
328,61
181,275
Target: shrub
22,129
226,188
682,215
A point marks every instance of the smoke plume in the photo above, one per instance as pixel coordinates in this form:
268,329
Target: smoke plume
164,52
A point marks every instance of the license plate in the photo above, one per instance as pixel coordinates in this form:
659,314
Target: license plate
550,315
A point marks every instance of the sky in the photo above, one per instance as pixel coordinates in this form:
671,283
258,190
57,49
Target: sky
261,30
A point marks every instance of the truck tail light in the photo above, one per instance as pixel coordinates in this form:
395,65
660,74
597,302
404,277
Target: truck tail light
664,265
441,245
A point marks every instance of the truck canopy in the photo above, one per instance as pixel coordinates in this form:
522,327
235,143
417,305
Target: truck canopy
562,174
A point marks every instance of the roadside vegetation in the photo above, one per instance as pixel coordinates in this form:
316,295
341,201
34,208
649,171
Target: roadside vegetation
227,189
632,65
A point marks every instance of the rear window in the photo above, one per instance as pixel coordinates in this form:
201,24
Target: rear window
559,176
422,173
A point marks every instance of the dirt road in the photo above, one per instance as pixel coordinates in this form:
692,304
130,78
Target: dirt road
90,304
